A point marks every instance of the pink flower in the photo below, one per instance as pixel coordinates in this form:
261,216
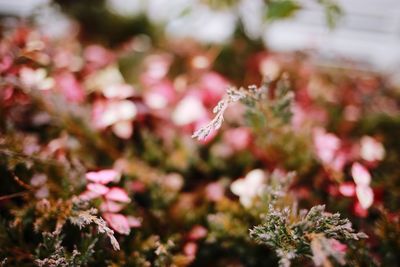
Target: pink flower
190,249
118,91
118,114
189,110
98,188
338,246
157,67
111,206
118,222
36,79
215,191
238,138
360,174
347,189
213,87
70,87
117,194
362,178
326,145
359,210
98,56
365,196
88,195
103,176
134,222
197,232
160,95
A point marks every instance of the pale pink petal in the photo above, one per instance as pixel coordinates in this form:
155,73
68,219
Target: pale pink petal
103,176
134,222
347,189
118,194
123,129
326,145
360,174
110,206
215,191
360,211
214,86
338,162
70,87
190,249
160,95
97,188
118,91
197,232
338,246
365,196
188,110
118,222
238,138
88,195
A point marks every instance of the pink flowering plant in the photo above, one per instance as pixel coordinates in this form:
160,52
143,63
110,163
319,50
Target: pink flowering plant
147,150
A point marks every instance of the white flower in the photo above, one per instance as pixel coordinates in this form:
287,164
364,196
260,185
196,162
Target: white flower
362,179
249,187
36,79
371,150
188,110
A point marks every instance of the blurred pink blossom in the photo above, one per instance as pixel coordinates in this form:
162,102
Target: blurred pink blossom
326,145
347,189
238,138
118,91
70,87
197,232
362,178
36,79
338,246
215,191
213,87
189,110
160,95
190,249
117,113
360,174
134,222
103,176
97,56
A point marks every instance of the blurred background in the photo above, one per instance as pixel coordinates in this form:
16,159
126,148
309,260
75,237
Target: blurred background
359,31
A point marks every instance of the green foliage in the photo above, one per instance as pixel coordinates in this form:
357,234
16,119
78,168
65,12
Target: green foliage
280,9
333,12
293,234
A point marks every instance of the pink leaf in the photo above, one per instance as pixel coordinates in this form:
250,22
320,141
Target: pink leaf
134,222
111,206
103,177
118,194
118,222
97,188
360,174
365,196
347,189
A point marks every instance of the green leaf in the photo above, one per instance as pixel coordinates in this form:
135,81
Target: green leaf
279,9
